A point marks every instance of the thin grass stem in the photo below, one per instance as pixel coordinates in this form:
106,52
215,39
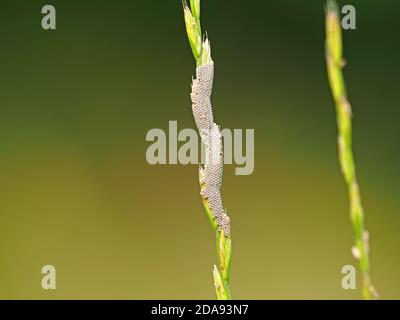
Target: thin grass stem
335,64
210,175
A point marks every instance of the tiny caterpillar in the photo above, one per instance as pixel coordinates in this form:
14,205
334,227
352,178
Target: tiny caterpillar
210,133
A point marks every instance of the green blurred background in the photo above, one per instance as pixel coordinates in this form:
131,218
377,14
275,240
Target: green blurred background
76,191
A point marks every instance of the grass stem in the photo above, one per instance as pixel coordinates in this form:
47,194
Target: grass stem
210,175
335,64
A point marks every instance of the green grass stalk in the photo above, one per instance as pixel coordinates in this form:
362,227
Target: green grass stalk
202,53
335,64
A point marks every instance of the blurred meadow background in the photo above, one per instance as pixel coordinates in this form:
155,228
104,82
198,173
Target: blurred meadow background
76,191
